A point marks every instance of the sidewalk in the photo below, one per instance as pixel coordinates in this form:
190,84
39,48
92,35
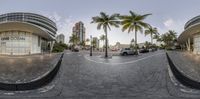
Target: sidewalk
20,69
187,63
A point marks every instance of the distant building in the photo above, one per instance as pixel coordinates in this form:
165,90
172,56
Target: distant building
79,31
60,38
119,46
140,45
96,42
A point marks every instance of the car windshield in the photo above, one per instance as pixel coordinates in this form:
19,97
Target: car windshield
99,49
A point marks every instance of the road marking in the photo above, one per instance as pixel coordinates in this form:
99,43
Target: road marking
86,57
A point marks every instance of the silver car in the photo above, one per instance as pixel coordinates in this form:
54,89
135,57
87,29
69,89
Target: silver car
127,51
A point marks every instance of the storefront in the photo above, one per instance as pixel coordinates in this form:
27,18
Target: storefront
26,36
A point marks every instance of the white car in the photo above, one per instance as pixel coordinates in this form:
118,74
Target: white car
127,51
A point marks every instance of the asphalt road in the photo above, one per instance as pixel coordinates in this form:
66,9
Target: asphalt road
129,77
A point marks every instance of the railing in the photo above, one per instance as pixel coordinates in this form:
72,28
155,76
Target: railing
36,83
181,77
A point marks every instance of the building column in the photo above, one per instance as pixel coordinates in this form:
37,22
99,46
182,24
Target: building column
51,45
188,45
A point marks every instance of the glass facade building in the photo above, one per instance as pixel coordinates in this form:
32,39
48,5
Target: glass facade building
26,33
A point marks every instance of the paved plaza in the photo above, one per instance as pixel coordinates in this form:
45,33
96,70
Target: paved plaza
133,77
20,69
187,63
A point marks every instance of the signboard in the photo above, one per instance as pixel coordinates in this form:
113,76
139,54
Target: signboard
12,38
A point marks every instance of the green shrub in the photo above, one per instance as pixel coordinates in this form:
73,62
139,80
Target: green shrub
59,47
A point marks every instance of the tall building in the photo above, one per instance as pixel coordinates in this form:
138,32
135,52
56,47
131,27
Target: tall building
60,38
26,33
79,31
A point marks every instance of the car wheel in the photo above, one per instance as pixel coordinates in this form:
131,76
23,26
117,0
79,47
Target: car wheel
124,54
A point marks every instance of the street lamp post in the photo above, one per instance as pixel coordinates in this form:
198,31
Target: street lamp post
90,45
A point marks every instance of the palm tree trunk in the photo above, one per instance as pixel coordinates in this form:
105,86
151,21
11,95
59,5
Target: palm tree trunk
103,45
136,41
135,38
151,39
106,52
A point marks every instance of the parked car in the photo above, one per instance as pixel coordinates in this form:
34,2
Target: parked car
143,50
114,49
75,49
150,50
127,51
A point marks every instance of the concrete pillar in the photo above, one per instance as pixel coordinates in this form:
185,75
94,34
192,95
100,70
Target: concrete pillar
51,45
188,45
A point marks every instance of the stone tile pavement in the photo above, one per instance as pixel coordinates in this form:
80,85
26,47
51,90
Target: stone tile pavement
19,69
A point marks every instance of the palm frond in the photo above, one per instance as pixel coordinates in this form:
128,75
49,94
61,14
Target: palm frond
126,26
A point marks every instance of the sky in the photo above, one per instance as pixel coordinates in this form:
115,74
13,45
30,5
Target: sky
166,14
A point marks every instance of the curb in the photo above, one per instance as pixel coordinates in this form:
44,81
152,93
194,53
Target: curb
36,83
181,77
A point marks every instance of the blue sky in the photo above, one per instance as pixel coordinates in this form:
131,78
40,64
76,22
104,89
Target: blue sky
166,14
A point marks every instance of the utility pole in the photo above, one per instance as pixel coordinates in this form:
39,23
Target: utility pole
91,45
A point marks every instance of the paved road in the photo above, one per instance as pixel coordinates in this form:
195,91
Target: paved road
136,77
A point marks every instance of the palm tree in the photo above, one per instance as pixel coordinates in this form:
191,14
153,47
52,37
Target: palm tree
169,37
157,37
74,39
103,38
166,38
173,34
105,21
151,31
147,44
82,43
134,22
132,41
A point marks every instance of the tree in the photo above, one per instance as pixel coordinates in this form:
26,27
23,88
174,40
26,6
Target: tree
82,43
169,38
132,41
106,21
157,37
94,43
173,34
103,38
151,31
74,40
147,44
134,22
59,47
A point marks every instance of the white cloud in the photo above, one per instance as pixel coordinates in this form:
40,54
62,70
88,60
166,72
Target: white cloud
64,24
55,17
168,23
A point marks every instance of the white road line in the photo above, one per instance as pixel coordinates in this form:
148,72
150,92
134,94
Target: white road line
124,62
